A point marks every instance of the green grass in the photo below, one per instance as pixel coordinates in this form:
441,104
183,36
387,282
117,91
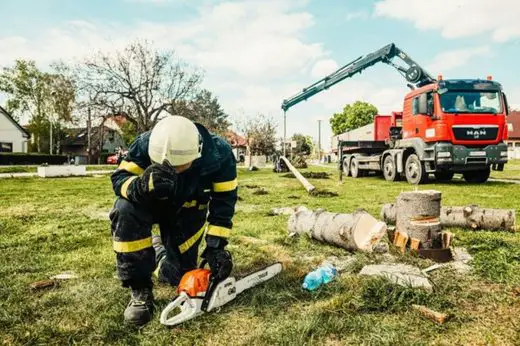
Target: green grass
34,169
511,171
48,226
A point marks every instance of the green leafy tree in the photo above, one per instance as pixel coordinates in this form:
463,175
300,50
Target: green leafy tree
204,109
44,98
129,132
353,116
304,145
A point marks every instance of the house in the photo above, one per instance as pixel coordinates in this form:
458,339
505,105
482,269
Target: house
239,145
513,142
13,137
103,141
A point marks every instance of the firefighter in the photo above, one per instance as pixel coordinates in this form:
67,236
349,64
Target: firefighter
184,179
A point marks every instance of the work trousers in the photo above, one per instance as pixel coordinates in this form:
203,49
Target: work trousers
181,231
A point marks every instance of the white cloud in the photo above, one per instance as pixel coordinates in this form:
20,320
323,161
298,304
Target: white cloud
449,60
356,15
457,18
251,51
323,67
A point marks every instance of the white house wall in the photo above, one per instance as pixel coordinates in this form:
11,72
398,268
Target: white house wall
9,133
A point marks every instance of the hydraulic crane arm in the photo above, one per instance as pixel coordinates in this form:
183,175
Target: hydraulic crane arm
414,73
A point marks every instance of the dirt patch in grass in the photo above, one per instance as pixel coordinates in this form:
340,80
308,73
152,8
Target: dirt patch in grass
323,193
310,175
260,192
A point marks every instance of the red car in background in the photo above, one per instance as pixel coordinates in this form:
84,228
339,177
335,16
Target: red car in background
116,158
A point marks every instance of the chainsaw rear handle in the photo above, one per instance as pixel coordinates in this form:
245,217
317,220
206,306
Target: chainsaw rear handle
190,308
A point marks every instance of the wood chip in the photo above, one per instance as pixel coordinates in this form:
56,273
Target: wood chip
39,285
431,314
414,244
400,240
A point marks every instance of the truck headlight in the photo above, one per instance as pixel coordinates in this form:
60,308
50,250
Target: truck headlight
444,154
503,154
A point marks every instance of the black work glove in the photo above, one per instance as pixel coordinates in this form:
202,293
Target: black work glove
219,260
158,182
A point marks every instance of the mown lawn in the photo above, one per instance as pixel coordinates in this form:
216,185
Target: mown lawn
34,169
48,226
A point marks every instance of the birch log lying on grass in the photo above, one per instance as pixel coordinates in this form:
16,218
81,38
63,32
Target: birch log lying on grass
308,186
471,216
357,231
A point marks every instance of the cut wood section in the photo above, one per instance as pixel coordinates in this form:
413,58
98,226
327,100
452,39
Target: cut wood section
471,216
431,314
400,240
357,231
308,186
417,215
415,244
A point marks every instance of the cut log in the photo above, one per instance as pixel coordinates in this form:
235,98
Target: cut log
357,231
308,186
417,215
471,216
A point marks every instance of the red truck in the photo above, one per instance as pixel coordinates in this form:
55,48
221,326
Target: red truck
446,126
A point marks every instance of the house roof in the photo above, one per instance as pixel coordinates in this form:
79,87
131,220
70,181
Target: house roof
15,123
514,121
78,136
235,139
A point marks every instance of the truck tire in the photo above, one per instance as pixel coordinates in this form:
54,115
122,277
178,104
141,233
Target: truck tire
444,175
477,176
415,171
355,172
346,167
390,169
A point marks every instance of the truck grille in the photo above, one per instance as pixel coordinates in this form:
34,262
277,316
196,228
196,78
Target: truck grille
475,133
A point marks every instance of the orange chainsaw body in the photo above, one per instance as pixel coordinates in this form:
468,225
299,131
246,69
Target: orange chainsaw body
194,282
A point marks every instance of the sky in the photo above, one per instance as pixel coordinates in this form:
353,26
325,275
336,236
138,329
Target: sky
256,53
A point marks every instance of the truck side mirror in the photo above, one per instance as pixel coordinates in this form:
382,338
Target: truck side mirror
422,106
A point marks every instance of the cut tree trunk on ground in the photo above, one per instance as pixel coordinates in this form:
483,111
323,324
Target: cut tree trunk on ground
471,216
418,216
308,186
357,231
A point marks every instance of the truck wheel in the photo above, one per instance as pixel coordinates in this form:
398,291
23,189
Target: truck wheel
346,168
414,170
390,169
444,175
354,169
477,176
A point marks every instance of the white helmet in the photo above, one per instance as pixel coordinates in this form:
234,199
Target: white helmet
175,139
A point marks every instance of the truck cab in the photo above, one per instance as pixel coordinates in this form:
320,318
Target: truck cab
457,126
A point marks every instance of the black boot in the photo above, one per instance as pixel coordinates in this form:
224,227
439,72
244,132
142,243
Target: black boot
140,308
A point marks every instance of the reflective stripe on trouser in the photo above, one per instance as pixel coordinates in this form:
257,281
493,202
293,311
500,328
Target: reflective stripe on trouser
131,235
136,258
179,253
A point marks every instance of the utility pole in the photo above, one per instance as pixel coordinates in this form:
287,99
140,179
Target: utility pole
319,140
89,127
50,137
284,131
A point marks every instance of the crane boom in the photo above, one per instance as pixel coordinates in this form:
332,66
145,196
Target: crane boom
414,73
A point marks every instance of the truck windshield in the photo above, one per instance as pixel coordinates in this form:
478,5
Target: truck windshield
471,102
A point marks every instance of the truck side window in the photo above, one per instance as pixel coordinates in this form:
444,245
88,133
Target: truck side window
429,98
415,106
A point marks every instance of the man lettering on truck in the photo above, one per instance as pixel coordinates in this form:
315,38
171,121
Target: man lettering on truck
178,176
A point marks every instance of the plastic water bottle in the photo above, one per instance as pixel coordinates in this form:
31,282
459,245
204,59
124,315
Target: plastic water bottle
318,277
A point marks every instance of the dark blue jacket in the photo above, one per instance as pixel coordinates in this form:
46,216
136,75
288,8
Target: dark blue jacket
212,179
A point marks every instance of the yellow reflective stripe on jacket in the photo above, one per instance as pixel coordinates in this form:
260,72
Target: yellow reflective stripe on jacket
126,184
191,204
132,246
219,231
192,240
203,206
131,167
225,186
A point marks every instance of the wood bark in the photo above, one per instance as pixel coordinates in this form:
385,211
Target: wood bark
471,216
418,216
308,186
357,231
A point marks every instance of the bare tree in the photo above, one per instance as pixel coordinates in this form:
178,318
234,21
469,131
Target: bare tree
138,81
260,134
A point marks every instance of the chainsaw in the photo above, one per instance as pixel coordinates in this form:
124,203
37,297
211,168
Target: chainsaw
199,292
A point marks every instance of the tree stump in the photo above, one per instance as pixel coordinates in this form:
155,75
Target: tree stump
357,231
418,216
